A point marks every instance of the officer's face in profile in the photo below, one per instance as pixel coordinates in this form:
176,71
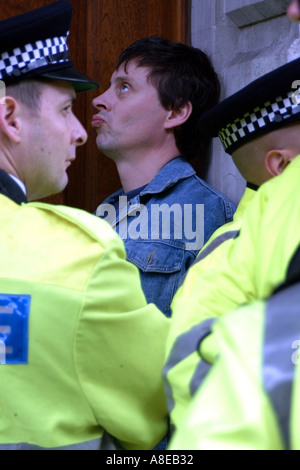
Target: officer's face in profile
49,140
293,11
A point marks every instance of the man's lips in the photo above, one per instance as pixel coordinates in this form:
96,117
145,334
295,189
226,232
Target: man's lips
69,161
97,121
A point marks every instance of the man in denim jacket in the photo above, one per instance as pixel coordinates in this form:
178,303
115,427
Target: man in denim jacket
147,123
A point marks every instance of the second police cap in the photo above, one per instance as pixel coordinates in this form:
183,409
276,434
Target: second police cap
266,104
34,44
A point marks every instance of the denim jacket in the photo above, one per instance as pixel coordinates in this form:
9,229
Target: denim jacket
165,225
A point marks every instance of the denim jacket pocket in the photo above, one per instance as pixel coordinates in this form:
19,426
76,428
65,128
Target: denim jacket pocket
161,266
156,256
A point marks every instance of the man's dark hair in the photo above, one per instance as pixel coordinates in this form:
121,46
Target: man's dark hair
180,73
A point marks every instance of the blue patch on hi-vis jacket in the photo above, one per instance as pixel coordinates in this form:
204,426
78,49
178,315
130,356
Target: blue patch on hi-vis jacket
14,315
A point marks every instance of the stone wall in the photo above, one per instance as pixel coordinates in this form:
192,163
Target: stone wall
244,39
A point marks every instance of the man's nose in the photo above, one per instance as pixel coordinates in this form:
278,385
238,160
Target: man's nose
102,101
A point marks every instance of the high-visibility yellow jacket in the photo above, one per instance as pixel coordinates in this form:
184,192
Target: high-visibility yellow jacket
182,352
81,352
233,407
249,400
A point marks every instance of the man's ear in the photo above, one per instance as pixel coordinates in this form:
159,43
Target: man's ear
277,160
9,118
176,117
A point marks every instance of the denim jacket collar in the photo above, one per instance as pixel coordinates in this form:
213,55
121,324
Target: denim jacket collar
175,170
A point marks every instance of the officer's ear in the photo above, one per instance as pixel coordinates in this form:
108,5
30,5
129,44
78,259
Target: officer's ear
277,160
176,117
9,118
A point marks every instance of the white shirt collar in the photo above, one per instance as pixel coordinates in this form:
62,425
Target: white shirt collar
19,182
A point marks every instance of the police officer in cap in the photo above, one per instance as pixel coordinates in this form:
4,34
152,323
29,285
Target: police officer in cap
80,350
253,386
259,126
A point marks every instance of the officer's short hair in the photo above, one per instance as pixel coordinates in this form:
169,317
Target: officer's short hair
28,92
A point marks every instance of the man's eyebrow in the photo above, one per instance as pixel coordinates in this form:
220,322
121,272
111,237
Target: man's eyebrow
71,98
121,78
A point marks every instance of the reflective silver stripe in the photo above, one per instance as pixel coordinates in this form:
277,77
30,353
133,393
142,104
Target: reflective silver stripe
185,345
282,329
97,444
215,243
210,248
200,373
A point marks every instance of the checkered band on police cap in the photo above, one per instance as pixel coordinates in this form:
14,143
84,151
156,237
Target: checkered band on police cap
268,103
32,56
254,122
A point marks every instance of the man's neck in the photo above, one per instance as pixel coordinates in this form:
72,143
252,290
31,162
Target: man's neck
136,173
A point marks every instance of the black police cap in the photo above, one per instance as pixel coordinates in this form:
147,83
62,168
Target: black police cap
268,103
34,44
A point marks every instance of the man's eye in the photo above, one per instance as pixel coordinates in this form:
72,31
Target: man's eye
67,109
124,87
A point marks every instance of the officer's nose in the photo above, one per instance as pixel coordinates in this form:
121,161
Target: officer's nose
79,134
